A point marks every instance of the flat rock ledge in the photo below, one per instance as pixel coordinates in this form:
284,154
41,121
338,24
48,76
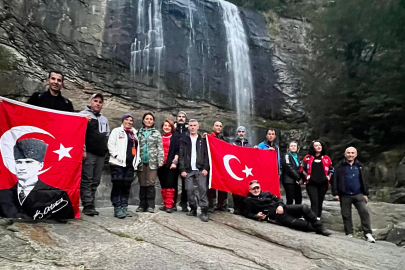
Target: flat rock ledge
176,241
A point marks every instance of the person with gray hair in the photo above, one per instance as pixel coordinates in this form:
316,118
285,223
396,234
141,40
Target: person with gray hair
194,166
349,186
243,142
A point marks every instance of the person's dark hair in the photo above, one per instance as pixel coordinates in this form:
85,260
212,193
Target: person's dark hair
312,151
143,118
170,123
57,72
272,129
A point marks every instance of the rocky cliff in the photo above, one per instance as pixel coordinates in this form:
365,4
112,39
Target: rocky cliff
152,55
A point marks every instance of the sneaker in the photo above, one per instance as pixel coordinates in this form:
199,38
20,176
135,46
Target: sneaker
349,235
118,213
174,208
211,209
151,210
183,207
223,208
126,212
369,238
162,208
169,210
140,209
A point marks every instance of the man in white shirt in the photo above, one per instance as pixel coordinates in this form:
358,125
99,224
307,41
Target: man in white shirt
194,165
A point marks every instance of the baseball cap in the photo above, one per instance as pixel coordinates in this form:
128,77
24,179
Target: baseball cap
254,183
97,95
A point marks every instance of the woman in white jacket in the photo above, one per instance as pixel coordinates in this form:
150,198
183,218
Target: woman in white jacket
124,158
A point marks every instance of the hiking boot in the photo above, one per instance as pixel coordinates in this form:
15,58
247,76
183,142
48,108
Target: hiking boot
118,213
223,208
162,208
211,209
183,207
369,238
126,212
204,214
89,211
169,210
151,210
140,209
192,212
96,212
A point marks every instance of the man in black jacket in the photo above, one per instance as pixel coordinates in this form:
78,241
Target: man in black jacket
261,205
243,142
181,132
194,165
52,99
30,197
349,186
97,134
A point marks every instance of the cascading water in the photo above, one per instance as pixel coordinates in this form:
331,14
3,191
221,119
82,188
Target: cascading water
148,47
238,63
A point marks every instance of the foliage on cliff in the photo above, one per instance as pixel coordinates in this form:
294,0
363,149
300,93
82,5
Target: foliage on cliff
356,83
5,60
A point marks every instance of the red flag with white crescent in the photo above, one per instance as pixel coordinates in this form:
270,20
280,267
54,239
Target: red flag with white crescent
41,154
233,167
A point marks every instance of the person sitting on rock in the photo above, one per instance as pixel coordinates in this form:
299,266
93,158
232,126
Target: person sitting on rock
349,186
262,205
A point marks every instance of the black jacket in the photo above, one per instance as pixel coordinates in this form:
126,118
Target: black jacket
202,162
174,149
266,203
38,204
338,181
290,173
246,143
47,100
181,131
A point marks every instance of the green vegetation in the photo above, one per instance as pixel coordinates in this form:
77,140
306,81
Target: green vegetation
5,59
356,83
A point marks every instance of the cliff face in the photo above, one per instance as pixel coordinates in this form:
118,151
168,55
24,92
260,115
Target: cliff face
155,55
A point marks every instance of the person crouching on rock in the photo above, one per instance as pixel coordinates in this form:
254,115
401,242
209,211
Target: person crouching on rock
168,173
124,158
262,205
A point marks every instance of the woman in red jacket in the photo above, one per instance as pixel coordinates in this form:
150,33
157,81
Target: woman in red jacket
317,170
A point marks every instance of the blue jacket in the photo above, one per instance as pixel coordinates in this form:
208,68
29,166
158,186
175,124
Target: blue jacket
265,145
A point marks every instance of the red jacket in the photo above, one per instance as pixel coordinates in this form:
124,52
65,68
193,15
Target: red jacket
306,167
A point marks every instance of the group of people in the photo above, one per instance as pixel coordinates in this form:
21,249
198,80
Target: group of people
176,151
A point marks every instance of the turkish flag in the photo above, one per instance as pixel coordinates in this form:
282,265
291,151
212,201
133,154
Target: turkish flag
41,154
233,167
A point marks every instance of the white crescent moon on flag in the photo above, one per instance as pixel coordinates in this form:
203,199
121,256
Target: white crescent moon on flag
227,158
9,139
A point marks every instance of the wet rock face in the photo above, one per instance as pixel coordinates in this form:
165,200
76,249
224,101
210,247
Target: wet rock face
91,42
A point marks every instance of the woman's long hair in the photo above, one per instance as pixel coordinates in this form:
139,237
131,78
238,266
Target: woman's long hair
143,118
312,151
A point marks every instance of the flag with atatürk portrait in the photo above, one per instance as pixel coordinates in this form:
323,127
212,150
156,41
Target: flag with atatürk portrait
233,167
41,154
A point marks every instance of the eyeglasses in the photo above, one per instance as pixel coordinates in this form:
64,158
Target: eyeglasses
253,182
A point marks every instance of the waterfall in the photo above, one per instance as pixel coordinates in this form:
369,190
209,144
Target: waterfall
238,63
148,46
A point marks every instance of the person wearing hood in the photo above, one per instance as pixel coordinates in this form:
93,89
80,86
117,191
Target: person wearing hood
95,149
291,177
181,132
123,145
243,142
152,157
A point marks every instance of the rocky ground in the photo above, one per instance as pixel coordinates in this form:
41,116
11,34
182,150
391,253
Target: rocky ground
175,241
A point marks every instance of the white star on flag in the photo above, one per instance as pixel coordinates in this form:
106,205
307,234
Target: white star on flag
63,152
247,171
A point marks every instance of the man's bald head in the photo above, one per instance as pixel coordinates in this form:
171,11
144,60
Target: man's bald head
350,154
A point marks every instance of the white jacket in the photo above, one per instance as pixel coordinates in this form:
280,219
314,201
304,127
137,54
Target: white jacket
117,146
